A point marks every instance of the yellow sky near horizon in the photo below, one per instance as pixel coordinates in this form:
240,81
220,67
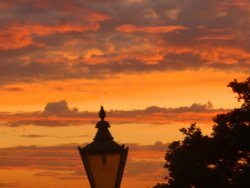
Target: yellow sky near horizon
126,92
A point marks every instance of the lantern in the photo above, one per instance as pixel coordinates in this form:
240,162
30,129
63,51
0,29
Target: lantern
104,159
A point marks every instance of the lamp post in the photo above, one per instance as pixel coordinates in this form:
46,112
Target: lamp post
104,159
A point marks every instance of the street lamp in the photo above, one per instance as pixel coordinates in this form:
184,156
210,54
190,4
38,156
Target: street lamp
104,159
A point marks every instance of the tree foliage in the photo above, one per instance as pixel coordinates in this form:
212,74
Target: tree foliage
220,160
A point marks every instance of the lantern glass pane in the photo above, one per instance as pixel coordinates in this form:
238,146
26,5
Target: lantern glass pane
104,169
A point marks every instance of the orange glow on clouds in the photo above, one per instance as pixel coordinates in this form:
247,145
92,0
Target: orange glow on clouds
17,36
154,29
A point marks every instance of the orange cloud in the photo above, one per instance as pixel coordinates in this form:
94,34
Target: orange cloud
16,35
235,4
12,38
224,37
129,28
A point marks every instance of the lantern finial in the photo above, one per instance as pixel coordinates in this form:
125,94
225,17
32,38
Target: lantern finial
102,113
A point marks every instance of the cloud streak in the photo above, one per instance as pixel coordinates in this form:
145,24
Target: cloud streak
8,184
64,161
156,29
59,114
33,136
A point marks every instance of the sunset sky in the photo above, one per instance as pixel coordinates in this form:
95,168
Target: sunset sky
155,66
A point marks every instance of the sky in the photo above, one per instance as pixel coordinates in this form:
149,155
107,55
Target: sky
155,65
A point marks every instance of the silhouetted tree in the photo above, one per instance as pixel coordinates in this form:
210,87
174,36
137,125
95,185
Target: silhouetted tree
220,160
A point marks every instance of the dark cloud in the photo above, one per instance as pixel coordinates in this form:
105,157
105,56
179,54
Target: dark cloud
42,136
60,175
57,107
33,136
56,114
145,170
36,37
53,158
195,107
11,89
47,123
64,161
8,184
12,72
74,136
158,146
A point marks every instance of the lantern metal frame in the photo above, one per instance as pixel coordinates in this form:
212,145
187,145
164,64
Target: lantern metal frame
103,145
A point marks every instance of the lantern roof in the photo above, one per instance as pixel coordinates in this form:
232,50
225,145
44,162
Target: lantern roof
103,140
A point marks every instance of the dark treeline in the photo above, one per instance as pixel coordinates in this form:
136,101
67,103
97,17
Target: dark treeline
219,160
